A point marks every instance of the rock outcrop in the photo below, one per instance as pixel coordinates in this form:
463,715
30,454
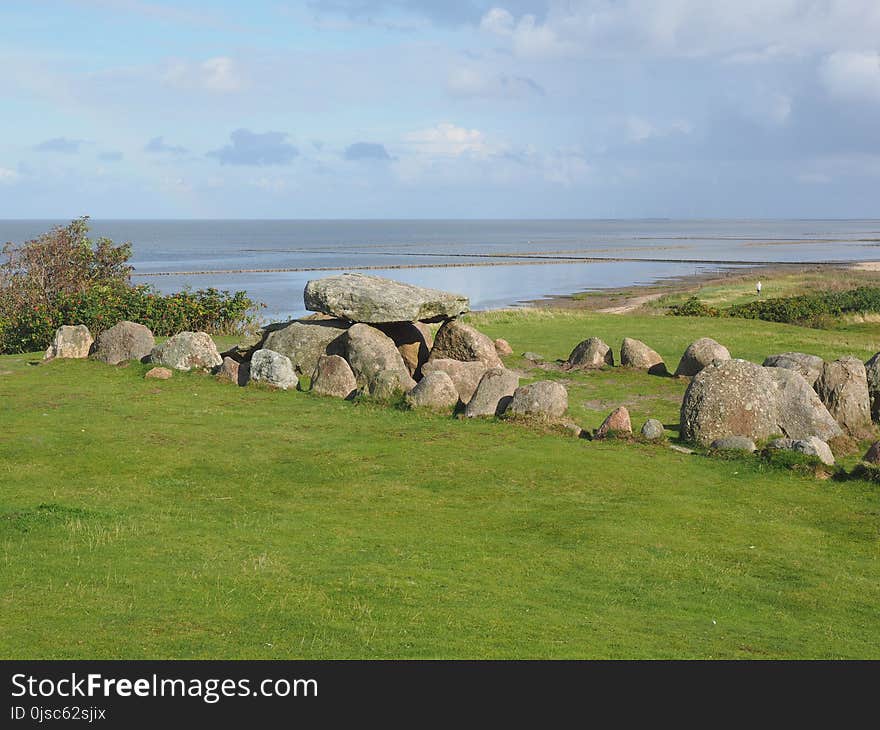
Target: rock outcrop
70,341
187,351
374,300
699,354
124,341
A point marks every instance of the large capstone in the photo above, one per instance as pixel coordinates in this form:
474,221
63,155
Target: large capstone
124,341
187,351
373,299
304,341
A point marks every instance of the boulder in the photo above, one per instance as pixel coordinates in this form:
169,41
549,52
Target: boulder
699,354
412,344
800,412
653,430
435,391
387,384
187,351
733,443
333,376
304,341
872,371
545,399
124,341
373,300
465,375
533,357
371,352
234,371
458,341
70,341
729,398
273,368
636,354
493,393
843,388
872,455
617,422
503,348
591,353
812,446
808,366
159,373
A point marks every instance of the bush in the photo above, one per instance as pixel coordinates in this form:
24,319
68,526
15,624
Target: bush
810,309
692,307
65,278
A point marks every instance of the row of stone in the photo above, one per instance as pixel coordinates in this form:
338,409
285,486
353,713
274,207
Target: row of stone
594,353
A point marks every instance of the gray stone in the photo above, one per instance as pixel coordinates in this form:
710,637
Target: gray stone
70,341
434,391
591,353
733,443
273,368
618,422
800,412
636,354
234,371
304,341
124,341
813,446
653,430
809,367
843,388
333,376
545,399
872,371
412,344
533,357
388,384
465,375
458,341
493,393
187,351
371,352
699,354
372,299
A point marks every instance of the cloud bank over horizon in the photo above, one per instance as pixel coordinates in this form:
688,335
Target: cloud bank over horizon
413,108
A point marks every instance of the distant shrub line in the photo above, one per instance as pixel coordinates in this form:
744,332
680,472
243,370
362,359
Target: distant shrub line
813,310
63,277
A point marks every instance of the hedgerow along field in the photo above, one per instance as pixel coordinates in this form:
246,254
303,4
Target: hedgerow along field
195,519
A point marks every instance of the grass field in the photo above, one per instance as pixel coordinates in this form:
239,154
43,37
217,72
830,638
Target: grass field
195,519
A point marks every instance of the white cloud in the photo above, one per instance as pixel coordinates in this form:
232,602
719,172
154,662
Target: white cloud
447,140
639,129
7,176
220,74
852,75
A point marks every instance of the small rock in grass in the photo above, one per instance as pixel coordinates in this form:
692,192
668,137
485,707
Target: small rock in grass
653,430
733,443
503,348
533,357
617,423
813,446
159,374
545,399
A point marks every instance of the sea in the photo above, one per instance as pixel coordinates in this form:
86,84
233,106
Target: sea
497,263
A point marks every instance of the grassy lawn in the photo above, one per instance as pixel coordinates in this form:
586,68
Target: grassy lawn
195,519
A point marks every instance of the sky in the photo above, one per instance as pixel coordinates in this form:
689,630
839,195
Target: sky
455,109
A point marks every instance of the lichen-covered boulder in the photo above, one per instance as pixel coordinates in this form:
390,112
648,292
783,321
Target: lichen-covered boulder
843,388
503,348
636,354
373,300
124,341
304,341
70,341
653,430
699,354
458,341
493,393
729,398
234,371
809,367
273,368
187,351
370,353
872,371
434,391
733,443
333,377
545,399
617,423
800,413
465,375
813,446
412,341
591,353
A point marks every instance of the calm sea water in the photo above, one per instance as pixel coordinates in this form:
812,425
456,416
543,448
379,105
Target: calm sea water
495,263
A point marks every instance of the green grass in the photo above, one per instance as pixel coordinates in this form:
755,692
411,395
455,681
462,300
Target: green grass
194,519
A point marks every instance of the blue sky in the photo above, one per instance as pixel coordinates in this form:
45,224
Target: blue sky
419,109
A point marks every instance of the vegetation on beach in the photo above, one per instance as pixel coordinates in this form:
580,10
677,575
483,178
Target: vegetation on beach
195,519
65,278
